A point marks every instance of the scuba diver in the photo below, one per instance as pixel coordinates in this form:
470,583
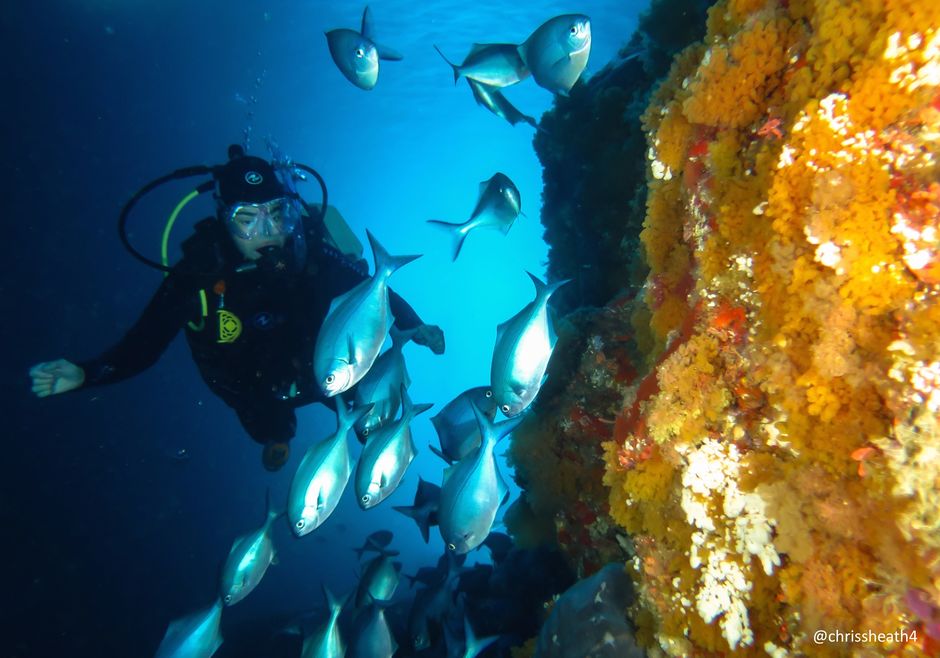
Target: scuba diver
251,292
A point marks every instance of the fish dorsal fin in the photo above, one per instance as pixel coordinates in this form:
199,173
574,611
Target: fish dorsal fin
477,47
474,49
500,329
367,30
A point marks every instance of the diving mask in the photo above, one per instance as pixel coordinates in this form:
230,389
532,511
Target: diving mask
269,219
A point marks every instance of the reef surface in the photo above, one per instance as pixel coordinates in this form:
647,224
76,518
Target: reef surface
745,408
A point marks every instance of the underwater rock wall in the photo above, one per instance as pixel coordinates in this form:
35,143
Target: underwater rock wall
768,405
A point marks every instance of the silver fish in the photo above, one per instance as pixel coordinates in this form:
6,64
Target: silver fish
372,637
379,580
524,345
322,475
498,205
557,52
381,386
193,636
248,560
327,642
495,64
457,427
355,327
357,55
377,541
492,99
386,456
473,490
424,509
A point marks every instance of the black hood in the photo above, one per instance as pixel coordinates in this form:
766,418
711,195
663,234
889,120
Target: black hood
248,179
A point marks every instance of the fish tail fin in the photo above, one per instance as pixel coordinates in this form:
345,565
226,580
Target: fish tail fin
475,645
544,291
456,233
491,432
385,263
409,408
346,418
449,63
335,605
272,513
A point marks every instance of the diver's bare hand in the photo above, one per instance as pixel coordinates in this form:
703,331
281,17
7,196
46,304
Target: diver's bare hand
430,335
54,377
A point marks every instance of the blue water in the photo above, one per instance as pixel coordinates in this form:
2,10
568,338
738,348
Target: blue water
108,537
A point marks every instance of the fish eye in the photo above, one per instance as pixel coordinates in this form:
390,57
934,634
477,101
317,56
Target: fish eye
300,524
228,598
365,432
488,394
504,408
451,547
330,379
360,52
574,30
366,498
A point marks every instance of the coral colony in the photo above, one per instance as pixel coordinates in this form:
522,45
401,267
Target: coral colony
753,427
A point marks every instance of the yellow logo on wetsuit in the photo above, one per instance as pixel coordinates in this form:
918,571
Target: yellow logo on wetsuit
230,327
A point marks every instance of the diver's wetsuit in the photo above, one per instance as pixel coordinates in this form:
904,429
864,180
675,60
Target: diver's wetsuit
254,347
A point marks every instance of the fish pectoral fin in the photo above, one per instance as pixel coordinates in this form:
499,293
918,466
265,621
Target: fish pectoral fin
388,54
351,349
274,559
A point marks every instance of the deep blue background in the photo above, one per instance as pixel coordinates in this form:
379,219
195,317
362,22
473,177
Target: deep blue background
107,538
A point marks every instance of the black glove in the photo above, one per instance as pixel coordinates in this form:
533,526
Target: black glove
431,336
